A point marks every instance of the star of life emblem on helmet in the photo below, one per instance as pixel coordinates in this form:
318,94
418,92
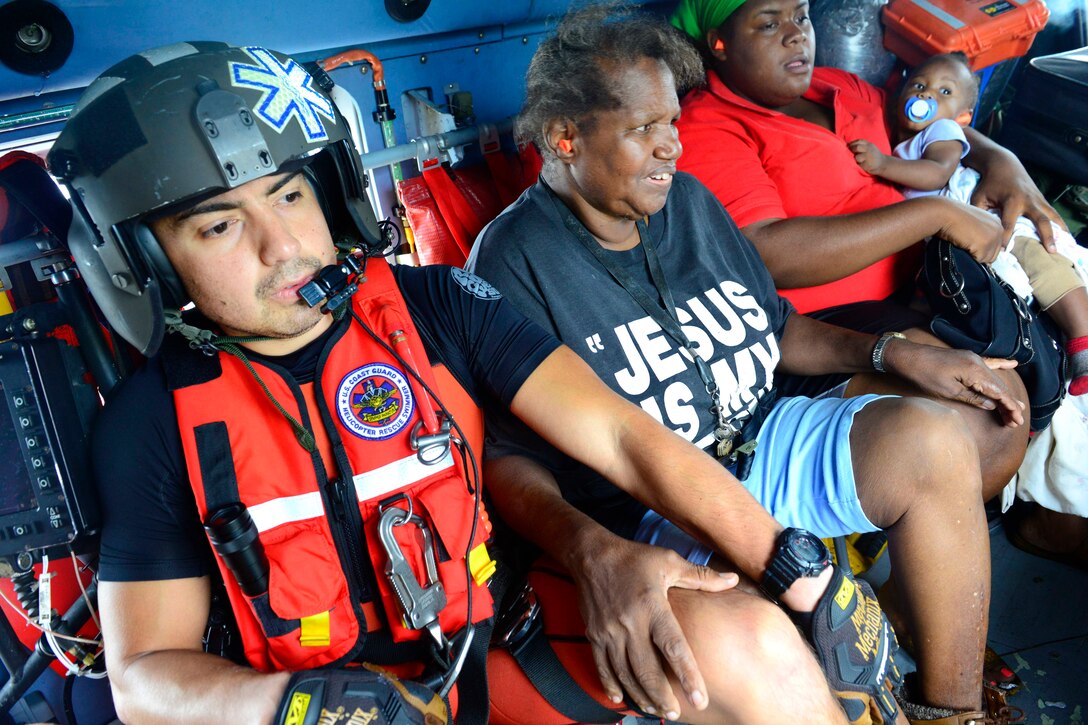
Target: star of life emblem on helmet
288,93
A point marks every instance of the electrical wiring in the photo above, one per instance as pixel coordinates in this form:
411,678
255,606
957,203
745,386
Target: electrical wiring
53,638
83,590
19,611
74,668
67,659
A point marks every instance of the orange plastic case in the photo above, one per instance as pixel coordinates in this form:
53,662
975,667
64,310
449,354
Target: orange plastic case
987,31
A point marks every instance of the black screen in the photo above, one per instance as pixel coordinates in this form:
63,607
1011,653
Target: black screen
16,492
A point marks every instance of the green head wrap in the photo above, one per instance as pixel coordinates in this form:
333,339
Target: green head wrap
695,17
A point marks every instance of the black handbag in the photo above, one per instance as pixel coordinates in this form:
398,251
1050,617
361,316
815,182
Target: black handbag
974,309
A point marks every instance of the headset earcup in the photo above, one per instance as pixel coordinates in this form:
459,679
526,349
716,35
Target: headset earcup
173,292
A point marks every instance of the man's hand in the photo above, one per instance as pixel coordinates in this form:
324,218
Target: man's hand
868,156
366,694
977,232
856,648
623,597
956,375
1006,187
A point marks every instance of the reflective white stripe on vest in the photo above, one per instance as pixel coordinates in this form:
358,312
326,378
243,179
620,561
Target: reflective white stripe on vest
270,514
390,477
397,474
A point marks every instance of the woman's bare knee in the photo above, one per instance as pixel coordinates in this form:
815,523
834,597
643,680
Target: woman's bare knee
909,450
750,654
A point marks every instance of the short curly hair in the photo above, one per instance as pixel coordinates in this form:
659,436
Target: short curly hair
959,57
568,76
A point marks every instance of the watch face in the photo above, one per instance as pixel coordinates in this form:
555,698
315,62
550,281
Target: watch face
807,547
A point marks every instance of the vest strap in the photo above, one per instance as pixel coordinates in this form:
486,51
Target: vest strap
520,629
216,465
273,624
474,706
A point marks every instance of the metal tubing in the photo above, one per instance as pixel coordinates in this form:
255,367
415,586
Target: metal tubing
22,680
12,652
390,141
428,145
95,352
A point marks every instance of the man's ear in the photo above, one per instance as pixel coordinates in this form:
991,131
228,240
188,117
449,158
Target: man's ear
964,119
715,43
560,135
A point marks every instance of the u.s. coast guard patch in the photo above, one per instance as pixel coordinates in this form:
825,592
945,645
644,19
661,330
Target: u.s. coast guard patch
375,401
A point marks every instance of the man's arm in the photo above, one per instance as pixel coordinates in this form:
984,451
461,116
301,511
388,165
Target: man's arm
929,173
568,406
565,402
622,587
152,632
808,251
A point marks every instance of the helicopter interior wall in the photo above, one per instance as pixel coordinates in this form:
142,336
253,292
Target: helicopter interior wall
106,32
481,48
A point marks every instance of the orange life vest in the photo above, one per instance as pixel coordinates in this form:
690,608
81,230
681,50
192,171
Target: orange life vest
239,448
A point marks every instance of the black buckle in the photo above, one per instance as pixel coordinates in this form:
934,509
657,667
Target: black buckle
518,621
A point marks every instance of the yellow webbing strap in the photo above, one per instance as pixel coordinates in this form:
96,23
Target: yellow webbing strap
480,564
314,630
5,303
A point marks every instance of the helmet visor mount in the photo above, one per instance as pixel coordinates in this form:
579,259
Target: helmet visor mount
134,304
232,136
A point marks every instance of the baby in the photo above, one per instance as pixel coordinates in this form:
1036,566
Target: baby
936,102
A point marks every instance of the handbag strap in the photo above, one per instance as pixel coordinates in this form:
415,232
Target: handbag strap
950,282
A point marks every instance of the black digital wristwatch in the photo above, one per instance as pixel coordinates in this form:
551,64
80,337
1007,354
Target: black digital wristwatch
798,553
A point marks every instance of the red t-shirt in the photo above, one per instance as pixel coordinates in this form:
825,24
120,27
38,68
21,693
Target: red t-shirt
762,164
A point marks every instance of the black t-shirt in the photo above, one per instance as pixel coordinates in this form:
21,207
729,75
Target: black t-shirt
726,304
151,528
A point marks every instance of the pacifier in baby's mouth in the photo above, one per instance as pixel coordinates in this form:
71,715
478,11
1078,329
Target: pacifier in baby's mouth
920,109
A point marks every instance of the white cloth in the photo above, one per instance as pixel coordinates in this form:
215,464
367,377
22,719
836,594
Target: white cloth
1054,473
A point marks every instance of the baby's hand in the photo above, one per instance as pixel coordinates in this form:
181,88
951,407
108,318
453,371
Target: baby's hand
868,156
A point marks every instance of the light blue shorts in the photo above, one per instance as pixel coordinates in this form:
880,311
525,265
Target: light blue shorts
802,474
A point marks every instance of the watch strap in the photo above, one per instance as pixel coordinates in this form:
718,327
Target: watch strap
785,569
776,579
881,344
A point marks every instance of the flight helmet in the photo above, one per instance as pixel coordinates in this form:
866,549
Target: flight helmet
166,128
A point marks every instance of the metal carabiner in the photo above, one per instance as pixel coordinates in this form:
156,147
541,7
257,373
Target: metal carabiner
430,448
420,604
